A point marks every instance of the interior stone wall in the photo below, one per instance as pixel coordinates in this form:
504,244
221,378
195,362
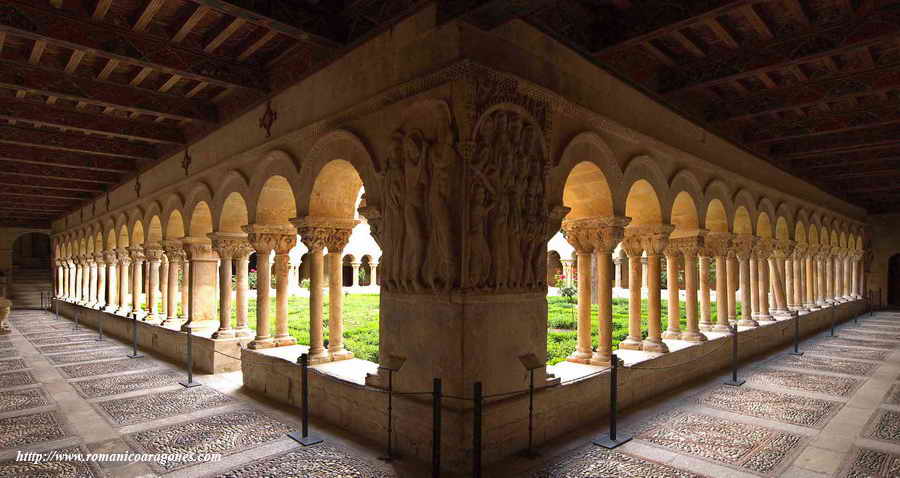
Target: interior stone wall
884,242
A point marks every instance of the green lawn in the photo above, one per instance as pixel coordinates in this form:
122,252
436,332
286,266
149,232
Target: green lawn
361,312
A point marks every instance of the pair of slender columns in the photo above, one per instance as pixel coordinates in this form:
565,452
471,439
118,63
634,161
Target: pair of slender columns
686,249
232,247
175,259
652,240
265,239
154,255
112,264
318,234
124,280
137,280
100,296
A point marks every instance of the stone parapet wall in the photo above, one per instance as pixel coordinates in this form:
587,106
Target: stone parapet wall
559,409
210,356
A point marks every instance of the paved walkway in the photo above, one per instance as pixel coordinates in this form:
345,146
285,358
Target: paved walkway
835,411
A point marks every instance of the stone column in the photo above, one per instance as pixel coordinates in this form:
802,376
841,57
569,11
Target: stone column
201,263
706,324
645,274
175,256
799,278
355,266
783,249
690,247
743,250
733,268
92,281
154,253
85,279
58,279
655,240
373,274
283,246
124,278
584,247
673,331
100,297
73,279
227,245
820,277
848,275
242,256
263,241
164,285
754,285
762,251
788,278
137,280
315,237
338,235
719,243
810,262
112,283
64,271
827,277
634,248
854,275
567,272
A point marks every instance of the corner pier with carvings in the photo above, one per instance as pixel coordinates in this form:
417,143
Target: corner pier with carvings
469,169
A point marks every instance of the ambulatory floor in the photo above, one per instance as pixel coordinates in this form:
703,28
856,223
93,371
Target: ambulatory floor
835,411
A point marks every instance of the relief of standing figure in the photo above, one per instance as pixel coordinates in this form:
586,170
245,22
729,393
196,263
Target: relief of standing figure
438,271
416,149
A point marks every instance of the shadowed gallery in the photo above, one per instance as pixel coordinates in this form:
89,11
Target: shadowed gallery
457,238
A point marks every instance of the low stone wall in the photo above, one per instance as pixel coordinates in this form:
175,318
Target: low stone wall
210,356
559,409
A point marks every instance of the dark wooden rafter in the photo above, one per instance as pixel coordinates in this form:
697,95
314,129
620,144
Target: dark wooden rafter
76,142
781,53
63,174
72,119
887,136
853,175
14,153
825,122
138,48
150,10
77,88
58,190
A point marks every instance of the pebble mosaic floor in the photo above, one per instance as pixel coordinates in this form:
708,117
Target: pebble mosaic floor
833,412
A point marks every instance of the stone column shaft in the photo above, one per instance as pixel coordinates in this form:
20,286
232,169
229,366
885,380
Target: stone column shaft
721,295
705,309
635,282
674,301
582,352
733,268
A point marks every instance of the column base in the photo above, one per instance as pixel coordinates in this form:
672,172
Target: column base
693,337
601,359
653,346
748,323
811,307
153,319
672,335
579,357
110,309
223,334
630,343
707,327
721,328
261,343
342,354
284,340
124,312
139,315
763,318
245,332
318,357
172,321
786,314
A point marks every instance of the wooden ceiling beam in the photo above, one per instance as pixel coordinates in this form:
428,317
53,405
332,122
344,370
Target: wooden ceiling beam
261,42
74,61
687,44
856,148
266,20
141,49
27,190
190,24
23,77
110,67
150,11
884,173
224,35
758,24
658,54
37,51
41,173
73,119
796,10
55,162
76,142
721,33
52,185
101,9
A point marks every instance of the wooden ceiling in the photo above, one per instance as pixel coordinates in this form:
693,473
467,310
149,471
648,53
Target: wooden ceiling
94,91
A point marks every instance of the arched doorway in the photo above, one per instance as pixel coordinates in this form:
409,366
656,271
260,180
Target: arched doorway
894,281
31,251
30,285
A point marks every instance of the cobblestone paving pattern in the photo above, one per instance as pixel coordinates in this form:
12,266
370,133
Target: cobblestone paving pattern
780,407
825,384
14,364
849,352
15,400
866,463
751,447
52,469
328,461
847,342
104,387
108,367
127,411
878,334
6,345
892,397
15,379
885,426
8,353
826,364
86,346
86,356
226,433
64,339
24,430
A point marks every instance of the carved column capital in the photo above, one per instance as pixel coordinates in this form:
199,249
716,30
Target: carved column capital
800,250
689,245
716,244
136,253
318,232
198,249
229,245
742,245
653,237
109,257
763,249
633,246
600,233
783,248
154,252
267,238
174,251
98,258
124,256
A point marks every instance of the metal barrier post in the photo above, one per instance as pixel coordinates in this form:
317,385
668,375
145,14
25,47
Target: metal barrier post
476,429
57,309
796,351
612,440
304,438
436,411
134,339
77,318
734,382
832,322
190,360
100,328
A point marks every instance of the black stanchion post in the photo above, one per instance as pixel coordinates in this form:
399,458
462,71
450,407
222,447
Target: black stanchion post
613,439
531,363
57,308
134,339
77,317
190,359
832,322
304,438
100,327
436,411
734,382
476,429
796,351
392,364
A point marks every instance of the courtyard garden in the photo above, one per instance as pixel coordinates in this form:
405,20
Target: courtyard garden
361,313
